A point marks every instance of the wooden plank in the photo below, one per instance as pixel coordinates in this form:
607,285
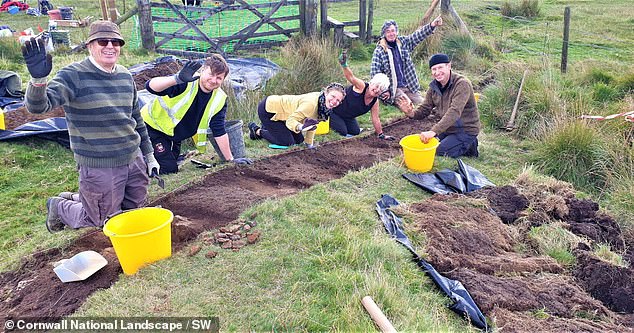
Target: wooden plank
265,17
368,31
221,40
350,35
225,7
334,23
311,18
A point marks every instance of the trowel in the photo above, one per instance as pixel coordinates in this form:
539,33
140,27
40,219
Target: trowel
159,180
80,266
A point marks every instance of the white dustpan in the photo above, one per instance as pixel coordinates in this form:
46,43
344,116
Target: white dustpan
80,266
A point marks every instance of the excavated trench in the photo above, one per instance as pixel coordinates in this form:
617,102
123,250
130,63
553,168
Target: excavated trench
35,291
518,290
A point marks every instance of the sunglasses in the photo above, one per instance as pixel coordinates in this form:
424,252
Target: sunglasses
104,42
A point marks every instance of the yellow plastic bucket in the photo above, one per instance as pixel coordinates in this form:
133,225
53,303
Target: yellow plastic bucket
140,236
419,156
323,127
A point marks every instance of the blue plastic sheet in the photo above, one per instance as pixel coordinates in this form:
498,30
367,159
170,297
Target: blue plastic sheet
463,304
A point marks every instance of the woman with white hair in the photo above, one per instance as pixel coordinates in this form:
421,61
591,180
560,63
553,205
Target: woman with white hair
361,97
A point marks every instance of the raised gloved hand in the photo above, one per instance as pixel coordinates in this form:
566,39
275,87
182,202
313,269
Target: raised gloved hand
386,137
242,161
37,61
308,125
343,58
152,164
186,73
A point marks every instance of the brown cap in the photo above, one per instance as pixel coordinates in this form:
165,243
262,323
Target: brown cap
106,30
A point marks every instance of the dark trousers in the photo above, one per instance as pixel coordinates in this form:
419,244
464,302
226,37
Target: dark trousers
275,131
166,150
458,144
344,126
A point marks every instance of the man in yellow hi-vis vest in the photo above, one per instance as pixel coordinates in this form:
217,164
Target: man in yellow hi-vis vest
188,105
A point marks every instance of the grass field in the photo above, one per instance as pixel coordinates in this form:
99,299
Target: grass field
319,257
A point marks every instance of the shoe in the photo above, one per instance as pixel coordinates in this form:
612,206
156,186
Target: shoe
473,150
253,131
69,196
53,221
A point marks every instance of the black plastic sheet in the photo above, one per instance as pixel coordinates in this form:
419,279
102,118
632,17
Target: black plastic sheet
463,304
463,180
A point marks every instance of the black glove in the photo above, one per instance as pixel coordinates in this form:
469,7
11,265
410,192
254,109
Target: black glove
343,58
37,61
309,124
385,96
386,137
187,72
242,161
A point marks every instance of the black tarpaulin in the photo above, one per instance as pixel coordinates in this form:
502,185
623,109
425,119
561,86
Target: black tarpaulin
463,180
463,303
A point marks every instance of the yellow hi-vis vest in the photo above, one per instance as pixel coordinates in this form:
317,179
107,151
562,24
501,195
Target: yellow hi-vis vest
164,113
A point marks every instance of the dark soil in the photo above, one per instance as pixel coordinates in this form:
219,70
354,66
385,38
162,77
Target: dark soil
520,291
215,201
466,241
20,116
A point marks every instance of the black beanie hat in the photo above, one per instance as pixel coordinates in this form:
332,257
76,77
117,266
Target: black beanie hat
438,58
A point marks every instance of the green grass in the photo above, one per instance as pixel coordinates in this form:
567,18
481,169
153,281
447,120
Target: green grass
324,249
554,241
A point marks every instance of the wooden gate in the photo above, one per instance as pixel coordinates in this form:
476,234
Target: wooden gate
223,26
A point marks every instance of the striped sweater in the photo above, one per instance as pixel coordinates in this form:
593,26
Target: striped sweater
104,122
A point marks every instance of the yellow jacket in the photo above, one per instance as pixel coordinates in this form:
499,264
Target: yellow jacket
294,109
165,112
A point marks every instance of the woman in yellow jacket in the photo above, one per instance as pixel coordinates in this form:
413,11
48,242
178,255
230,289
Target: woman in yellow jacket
287,118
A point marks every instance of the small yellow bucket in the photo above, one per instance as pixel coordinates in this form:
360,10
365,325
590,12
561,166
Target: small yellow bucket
140,236
323,127
419,156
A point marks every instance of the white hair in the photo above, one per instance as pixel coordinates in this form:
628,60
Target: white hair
381,80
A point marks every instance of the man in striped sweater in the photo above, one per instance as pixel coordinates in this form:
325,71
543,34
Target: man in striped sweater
108,137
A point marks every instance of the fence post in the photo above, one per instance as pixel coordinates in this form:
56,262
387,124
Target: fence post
564,49
145,25
310,18
368,31
362,18
323,12
444,6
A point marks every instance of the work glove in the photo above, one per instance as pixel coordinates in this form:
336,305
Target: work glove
386,137
343,58
308,125
37,61
186,73
242,161
152,164
385,96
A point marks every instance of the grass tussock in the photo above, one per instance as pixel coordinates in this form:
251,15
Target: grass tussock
555,241
526,8
574,152
459,47
606,254
309,64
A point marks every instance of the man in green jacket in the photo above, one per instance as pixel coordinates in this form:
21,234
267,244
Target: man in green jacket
450,97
